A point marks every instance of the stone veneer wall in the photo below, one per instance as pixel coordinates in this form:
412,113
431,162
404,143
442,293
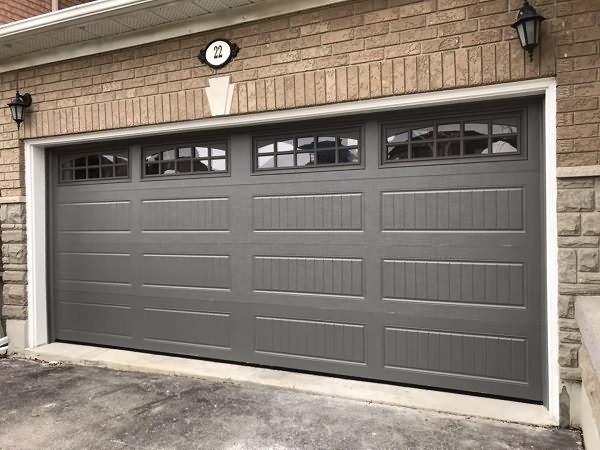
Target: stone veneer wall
356,50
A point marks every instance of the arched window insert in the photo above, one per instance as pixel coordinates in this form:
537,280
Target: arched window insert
94,166
307,150
443,139
184,160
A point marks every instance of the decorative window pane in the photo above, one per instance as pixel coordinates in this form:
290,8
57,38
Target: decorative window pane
95,166
448,148
507,144
397,152
216,152
306,143
285,161
348,155
444,140
308,151
422,134
422,150
185,152
201,152
476,147
266,162
476,129
448,131
218,165
305,159
285,146
186,160
397,136
505,126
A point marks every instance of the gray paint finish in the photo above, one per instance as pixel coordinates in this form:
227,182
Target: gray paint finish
425,274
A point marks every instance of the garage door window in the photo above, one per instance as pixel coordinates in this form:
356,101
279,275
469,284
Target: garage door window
186,160
94,166
307,150
440,139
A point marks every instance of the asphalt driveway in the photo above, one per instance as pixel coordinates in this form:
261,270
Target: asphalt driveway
63,407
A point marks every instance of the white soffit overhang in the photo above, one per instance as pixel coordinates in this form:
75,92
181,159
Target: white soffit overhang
105,25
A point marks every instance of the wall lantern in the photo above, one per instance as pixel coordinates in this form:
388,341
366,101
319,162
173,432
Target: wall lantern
528,26
17,107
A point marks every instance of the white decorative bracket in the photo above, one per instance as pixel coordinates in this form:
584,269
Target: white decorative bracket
219,94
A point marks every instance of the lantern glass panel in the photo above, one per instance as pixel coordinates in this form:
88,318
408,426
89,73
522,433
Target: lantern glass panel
530,33
17,112
522,37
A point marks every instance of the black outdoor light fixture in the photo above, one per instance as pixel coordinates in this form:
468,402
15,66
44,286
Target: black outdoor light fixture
528,26
18,106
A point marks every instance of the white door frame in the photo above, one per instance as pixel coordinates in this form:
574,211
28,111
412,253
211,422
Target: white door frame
35,185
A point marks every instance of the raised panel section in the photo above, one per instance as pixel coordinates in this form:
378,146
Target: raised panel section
200,214
103,268
93,216
110,320
324,212
204,329
496,357
449,281
319,276
187,271
453,210
311,339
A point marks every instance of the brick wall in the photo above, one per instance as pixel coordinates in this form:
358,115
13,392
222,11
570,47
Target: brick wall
11,10
355,50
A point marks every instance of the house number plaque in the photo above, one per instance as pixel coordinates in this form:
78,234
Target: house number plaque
218,53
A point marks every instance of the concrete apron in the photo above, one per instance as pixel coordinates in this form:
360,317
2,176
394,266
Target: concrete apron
466,405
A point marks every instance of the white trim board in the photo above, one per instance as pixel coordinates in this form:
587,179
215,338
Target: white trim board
35,182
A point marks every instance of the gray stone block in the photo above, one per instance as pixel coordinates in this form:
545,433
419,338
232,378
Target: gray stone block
587,260
14,294
590,224
573,200
580,241
568,355
567,265
566,306
569,224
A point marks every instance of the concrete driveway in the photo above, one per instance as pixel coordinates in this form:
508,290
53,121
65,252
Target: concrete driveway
63,407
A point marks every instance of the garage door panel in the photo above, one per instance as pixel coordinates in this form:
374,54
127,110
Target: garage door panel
452,281
457,353
107,268
202,271
311,339
189,328
193,214
95,294
94,216
316,212
309,275
492,209
93,242
96,319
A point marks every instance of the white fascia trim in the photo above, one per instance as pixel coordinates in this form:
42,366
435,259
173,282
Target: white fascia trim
102,44
36,186
95,10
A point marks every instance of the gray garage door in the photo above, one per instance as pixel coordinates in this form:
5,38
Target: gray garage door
403,247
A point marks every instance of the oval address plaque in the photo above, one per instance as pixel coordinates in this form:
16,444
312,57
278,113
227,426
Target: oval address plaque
218,53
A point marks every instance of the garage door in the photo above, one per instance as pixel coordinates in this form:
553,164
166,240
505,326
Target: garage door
403,247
